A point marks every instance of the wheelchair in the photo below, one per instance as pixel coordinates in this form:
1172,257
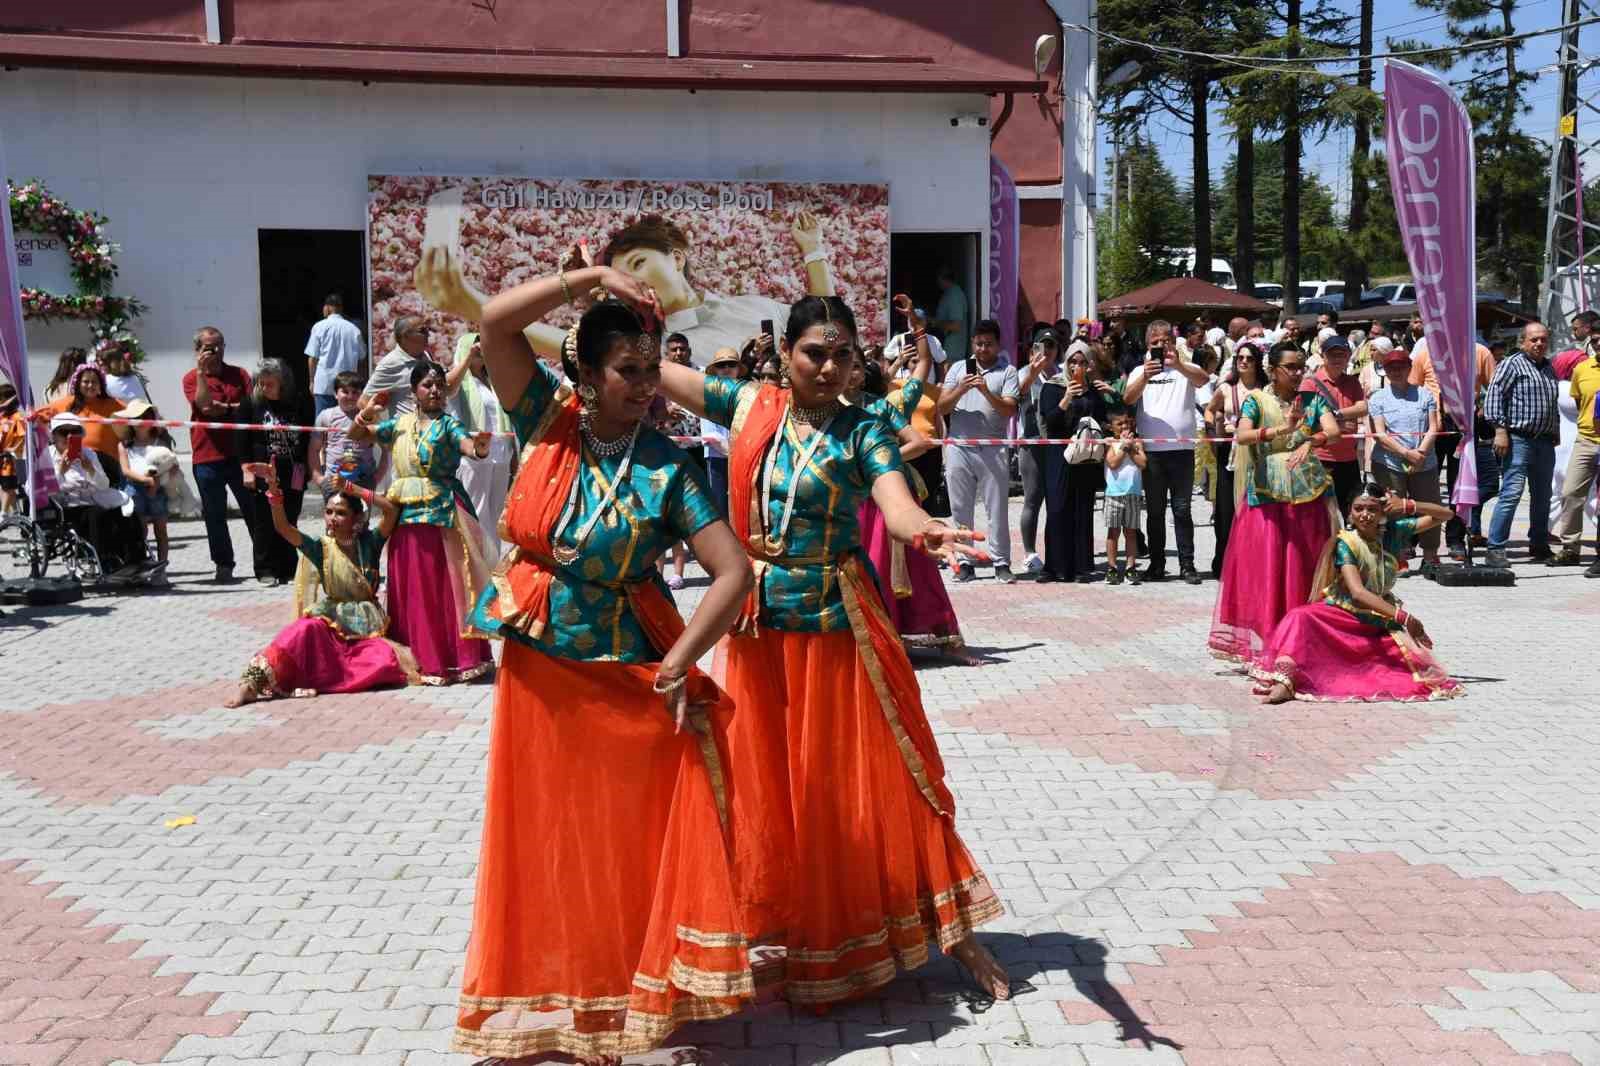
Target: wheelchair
48,538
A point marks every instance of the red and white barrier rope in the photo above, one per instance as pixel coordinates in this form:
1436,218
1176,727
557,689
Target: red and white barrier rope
1012,442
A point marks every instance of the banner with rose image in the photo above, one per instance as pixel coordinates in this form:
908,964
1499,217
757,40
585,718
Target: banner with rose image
723,256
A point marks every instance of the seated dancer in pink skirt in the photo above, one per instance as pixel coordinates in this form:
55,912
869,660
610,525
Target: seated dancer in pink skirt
1355,642
336,642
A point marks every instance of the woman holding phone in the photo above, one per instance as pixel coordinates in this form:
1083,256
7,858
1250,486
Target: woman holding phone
1066,403
272,448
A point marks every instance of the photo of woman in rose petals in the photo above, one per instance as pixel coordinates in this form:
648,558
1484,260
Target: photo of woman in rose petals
441,247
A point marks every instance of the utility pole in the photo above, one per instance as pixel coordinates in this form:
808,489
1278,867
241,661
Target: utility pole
1572,242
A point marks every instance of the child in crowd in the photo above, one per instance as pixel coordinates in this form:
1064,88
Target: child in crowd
1125,460
333,452
147,455
13,447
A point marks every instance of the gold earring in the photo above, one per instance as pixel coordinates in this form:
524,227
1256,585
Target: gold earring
586,398
783,374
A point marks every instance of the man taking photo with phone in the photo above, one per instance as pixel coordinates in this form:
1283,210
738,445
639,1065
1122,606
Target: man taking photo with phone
1163,388
979,398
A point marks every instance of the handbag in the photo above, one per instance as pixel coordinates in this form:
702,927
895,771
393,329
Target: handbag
1088,444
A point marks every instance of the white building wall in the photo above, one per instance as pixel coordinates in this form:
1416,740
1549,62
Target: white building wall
189,168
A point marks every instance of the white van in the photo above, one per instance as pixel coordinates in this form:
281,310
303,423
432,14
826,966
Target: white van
1221,269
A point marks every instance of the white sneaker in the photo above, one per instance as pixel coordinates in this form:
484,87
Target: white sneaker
1034,564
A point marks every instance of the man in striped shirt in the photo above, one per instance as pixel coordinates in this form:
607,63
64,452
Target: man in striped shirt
1521,404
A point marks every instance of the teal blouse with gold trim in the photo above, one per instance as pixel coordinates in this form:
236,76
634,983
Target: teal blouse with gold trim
665,500
1399,534
425,463
800,592
1270,481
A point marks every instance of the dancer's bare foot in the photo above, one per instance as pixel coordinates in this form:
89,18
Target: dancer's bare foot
246,694
603,1060
1279,693
986,971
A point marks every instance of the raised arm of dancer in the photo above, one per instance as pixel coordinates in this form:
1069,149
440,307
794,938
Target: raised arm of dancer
807,233
438,277
1427,514
507,351
389,510
719,552
684,386
280,521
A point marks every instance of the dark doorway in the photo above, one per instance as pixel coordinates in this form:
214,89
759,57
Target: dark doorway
299,268
914,262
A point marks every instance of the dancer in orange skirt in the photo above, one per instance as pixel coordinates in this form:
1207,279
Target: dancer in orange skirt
844,830
606,914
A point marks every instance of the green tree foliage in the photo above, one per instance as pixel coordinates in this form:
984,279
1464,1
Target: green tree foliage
1513,168
1151,223
1172,85
1321,230
1297,102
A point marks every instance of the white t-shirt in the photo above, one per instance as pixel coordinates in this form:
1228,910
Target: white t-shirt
1166,409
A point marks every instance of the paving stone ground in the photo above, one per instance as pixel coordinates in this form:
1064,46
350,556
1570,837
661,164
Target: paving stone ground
1190,877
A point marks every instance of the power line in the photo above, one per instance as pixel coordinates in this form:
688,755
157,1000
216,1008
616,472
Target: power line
1255,62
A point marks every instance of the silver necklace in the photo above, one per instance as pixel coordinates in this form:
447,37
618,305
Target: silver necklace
815,417
605,449
567,556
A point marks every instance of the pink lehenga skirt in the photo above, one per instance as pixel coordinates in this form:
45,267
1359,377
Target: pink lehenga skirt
309,657
912,587
1273,551
1324,653
428,600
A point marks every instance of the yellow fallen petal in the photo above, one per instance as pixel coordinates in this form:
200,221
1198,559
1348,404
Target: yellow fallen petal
180,821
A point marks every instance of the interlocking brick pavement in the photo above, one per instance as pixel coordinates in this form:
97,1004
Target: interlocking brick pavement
1190,877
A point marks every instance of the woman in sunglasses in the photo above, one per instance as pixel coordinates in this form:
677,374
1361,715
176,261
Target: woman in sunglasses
1222,420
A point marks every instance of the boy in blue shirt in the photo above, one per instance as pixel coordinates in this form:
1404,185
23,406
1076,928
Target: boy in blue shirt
1124,496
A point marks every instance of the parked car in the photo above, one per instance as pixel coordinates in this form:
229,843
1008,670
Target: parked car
1271,293
1394,292
1317,290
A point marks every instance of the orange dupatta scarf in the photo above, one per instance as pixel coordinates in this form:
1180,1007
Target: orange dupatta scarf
550,464
756,424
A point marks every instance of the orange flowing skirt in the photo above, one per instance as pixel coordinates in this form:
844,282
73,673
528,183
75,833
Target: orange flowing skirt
605,914
841,856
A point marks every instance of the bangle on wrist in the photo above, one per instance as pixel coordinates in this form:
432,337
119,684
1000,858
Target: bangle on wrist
665,685
566,290
820,255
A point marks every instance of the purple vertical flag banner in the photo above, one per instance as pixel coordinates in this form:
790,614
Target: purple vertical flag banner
14,346
1005,256
1432,176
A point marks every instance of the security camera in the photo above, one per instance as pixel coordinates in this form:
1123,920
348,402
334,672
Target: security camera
971,121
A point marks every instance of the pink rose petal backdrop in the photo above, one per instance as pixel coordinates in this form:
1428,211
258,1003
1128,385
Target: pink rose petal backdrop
733,251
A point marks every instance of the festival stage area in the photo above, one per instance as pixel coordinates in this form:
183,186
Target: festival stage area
1190,877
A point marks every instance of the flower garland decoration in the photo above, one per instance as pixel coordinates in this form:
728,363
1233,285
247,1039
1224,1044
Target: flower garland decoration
92,262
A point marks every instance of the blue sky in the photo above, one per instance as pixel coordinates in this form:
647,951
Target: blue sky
1328,158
